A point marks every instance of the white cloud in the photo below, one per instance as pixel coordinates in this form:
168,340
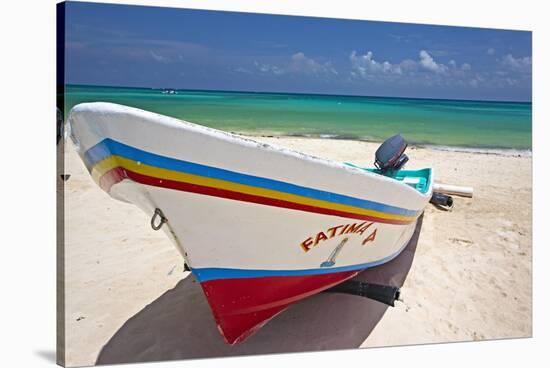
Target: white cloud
159,50
522,64
268,68
425,70
299,63
363,65
490,51
511,81
367,67
428,63
276,70
475,81
408,65
159,58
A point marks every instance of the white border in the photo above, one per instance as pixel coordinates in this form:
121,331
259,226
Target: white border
28,183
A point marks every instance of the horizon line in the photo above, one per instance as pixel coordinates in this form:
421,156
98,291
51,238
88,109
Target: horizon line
300,93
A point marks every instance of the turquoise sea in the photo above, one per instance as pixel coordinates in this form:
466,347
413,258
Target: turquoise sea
476,124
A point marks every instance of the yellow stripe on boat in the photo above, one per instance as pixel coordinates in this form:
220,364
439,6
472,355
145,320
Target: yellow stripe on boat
114,161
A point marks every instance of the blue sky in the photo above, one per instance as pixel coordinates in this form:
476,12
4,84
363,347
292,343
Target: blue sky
122,45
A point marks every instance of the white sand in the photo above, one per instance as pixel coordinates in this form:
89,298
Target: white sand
470,278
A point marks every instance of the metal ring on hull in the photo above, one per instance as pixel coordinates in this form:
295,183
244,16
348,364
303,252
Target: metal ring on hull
158,213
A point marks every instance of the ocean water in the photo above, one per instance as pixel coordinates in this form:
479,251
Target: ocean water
474,124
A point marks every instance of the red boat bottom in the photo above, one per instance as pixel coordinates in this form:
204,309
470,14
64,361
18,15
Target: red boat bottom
241,306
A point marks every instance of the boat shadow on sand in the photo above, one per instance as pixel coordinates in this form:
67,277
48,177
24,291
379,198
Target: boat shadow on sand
179,324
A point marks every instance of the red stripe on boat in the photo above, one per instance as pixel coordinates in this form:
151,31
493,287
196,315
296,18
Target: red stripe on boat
242,306
112,177
118,174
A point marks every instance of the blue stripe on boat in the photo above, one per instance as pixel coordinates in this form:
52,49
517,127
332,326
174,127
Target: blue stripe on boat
109,147
208,274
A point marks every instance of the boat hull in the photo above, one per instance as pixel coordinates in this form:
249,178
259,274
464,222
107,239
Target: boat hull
242,305
260,227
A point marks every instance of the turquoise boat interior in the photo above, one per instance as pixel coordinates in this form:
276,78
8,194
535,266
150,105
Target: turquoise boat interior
417,179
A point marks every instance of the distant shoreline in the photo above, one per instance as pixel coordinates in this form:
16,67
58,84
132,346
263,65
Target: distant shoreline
499,151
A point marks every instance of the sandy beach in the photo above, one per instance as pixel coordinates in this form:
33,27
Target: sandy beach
467,277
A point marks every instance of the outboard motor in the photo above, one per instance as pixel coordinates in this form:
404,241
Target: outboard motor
390,155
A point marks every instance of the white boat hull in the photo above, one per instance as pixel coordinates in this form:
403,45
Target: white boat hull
241,211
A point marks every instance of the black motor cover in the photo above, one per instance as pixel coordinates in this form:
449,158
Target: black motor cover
442,200
390,155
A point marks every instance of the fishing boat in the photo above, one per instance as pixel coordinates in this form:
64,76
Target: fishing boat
259,226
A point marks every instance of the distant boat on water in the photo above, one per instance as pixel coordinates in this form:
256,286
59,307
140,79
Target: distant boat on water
169,91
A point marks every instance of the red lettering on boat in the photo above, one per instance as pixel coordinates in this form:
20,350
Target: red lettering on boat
344,229
362,230
332,230
335,231
371,237
306,244
354,227
320,236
